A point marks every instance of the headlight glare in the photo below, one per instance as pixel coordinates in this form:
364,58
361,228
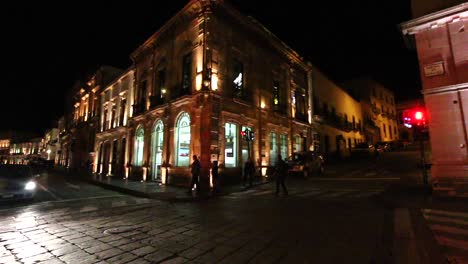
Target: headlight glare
30,186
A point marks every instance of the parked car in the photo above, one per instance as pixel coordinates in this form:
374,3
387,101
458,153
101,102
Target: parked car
364,150
16,182
306,164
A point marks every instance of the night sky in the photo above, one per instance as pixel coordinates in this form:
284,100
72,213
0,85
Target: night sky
49,46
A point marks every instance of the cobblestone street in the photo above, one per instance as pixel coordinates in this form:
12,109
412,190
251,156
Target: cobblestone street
265,230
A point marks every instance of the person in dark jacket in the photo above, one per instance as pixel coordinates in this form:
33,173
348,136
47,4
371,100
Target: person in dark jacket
215,175
195,169
249,170
281,171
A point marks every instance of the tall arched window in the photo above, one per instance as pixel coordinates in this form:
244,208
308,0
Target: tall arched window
182,140
157,138
273,149
139,142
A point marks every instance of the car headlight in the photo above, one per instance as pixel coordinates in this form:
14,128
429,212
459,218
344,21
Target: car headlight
30,186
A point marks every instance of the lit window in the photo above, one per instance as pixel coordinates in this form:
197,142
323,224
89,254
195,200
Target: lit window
139,142
182,148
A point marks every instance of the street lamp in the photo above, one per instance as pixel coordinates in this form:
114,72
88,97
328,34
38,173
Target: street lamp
48,154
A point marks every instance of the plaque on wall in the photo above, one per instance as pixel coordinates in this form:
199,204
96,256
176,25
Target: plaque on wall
434,69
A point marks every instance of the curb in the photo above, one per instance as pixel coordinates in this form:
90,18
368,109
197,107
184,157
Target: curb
165,196
413,240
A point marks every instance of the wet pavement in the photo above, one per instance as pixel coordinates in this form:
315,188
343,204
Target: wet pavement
351,217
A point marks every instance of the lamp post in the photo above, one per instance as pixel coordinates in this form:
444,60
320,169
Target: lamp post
48,154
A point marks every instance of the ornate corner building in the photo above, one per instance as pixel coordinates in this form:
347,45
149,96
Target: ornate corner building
195,85
440,34
206,75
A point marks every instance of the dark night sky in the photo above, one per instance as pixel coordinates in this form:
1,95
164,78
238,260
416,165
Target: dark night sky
49,46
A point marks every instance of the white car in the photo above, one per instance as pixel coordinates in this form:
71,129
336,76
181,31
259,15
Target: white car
16,182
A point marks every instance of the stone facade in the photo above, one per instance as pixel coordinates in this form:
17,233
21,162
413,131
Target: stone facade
378,109
441,40
339,115
115,101
82,118
221,72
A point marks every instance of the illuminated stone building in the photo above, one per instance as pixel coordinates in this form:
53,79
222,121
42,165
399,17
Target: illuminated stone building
206,75
439,31
339,117
4,148
23,150
116,100
378,109
50,144
82,118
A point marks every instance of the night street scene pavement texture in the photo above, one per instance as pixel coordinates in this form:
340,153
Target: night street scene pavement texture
367,211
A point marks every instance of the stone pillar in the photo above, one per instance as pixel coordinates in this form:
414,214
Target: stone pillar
205,140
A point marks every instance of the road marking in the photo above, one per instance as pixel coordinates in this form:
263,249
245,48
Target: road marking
88,209
449,230
448,213
118,203
446,220
312,193
82,199
77,187
52,194
335,194
356,179
453,243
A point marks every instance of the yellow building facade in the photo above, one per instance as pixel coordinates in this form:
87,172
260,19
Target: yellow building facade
339,116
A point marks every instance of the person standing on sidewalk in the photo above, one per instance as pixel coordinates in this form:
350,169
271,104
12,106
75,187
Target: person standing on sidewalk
195,170
215,175
249,170
281,172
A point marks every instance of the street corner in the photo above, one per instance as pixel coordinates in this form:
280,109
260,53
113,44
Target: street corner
414,241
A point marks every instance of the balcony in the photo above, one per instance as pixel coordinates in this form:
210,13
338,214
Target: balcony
138,109
155,101
301,117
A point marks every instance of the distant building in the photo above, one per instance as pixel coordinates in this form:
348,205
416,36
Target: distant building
338,115
440,34
82,118
378,108
116,100
50,144
23,150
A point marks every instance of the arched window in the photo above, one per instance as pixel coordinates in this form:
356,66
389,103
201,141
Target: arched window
182,140
157,138
273,149
139,142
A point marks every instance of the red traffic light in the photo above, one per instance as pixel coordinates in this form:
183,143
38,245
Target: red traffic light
414,117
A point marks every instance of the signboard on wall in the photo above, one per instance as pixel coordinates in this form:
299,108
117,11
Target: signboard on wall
434,69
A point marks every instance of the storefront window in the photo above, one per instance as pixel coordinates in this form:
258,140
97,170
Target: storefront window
230,150
298,144
245,146
284,146
139,142
273,148
182,135
157,147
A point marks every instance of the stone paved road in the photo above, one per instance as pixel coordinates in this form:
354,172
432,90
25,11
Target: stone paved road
136,230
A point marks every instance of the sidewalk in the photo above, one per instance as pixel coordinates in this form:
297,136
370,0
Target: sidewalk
155,190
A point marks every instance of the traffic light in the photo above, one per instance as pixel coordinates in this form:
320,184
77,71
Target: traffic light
248,135
414,117
244,135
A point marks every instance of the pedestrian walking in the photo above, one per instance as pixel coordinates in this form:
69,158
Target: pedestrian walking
249,170
215,176
195,170
281,171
